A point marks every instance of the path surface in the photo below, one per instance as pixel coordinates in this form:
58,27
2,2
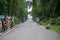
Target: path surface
31,31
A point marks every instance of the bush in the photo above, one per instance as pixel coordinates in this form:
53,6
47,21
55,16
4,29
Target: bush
58,21
55,28
16,20
53,21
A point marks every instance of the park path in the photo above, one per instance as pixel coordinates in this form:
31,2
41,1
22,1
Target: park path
30,30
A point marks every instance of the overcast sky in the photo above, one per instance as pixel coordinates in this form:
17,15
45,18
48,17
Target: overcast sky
29,10
28,0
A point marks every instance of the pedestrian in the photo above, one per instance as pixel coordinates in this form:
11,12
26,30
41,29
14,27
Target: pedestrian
13,20
37,19
11,23
3,28
9,17
0,23
22,19
4,24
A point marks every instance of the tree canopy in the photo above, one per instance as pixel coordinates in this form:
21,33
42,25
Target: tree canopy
46,9
13,7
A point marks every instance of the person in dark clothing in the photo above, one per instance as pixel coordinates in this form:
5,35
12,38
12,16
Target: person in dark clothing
22,19
3,28
5,23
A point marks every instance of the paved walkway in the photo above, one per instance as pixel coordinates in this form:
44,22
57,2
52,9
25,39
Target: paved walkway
31,31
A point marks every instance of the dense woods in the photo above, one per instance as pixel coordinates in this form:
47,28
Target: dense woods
48,11
13,8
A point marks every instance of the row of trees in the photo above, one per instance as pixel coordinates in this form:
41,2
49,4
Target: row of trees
13,7
47,10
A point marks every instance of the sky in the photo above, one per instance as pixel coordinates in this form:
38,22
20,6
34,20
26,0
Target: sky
28,0
29,10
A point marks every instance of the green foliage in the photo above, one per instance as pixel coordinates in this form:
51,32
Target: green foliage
55,28
58,21
48,11
45,9
13,7
16,20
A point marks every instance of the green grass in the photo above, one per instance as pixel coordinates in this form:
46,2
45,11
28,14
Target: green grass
55,28
44,23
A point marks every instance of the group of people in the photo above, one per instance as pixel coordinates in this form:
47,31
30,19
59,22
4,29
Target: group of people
6,22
